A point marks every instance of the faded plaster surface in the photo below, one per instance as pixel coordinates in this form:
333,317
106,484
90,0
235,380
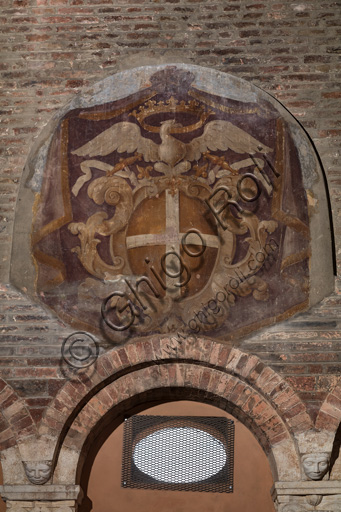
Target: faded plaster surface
117,87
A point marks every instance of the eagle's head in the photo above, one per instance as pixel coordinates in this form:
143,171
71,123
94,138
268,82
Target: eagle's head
168,125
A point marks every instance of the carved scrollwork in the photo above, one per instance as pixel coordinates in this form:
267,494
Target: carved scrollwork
113,191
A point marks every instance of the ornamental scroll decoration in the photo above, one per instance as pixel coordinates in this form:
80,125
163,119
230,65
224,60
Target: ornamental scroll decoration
212,183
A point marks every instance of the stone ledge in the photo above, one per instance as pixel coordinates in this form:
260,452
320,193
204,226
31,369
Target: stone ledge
323,487
40,493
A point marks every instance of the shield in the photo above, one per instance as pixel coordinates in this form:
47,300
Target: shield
173,240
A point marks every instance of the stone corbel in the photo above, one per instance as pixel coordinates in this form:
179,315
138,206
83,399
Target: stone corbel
315,465
38,472
306,496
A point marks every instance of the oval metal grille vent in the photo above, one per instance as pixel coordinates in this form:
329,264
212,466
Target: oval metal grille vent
179,453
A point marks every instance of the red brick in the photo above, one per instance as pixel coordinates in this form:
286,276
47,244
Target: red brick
21,424
337,391
5,435
89,378
256,372
214,381
277,434
278,438
332,409
272,426
262,411
264,378
335,94
122,354
37,37
70,391
326,422
152,375
251,363
301,421
244,397
234,358
17,408
192,376
98,406
37,414
115,361
302,383
106,399
7,397
112,392
236,392
205,379
107,364
157,348
219,355
176,377
252,401
194,348
123,387
164,375
2,385
294,411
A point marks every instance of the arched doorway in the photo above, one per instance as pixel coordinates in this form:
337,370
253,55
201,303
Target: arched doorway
252,474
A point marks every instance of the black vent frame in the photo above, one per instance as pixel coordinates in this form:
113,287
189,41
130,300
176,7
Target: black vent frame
140,426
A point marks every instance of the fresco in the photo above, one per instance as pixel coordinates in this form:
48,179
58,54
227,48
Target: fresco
172,208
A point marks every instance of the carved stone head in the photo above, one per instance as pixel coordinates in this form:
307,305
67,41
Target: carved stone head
38,472
315,465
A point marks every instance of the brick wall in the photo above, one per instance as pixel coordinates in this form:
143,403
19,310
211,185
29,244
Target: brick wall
52,49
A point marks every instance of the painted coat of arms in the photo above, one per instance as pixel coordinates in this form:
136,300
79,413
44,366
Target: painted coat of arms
172,208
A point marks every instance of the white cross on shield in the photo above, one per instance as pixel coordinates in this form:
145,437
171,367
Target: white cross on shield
171,238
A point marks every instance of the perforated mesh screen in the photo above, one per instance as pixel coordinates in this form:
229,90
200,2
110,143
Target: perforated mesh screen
189,453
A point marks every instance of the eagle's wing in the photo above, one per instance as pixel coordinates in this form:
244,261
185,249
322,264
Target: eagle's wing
223,135
123,137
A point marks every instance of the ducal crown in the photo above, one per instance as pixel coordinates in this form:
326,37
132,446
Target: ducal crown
171,105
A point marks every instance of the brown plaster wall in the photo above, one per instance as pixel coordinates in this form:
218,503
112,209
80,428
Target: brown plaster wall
252,475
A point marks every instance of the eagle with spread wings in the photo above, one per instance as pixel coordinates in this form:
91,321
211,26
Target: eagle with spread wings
172,154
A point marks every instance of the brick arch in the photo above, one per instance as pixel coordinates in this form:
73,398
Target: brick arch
261,397
213,382
112,365
15,419
171,380
329,416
